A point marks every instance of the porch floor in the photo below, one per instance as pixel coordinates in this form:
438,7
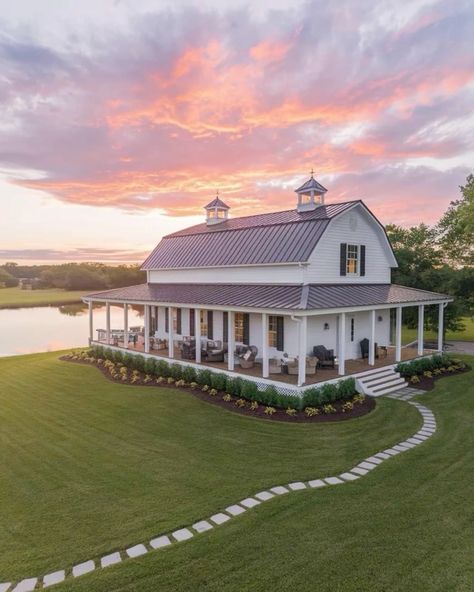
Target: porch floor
353,366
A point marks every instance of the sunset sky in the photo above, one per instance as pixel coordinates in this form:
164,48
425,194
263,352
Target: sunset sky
121,118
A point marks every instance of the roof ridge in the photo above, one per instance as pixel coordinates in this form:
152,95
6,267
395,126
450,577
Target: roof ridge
215,229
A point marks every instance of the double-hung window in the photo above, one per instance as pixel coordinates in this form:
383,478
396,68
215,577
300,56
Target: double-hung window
352,260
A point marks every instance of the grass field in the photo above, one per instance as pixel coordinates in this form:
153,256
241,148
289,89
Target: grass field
90,466
409,335
16,298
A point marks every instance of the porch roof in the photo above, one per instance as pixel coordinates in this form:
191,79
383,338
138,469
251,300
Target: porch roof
271,296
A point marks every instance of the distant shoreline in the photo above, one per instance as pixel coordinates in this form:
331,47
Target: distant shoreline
14,298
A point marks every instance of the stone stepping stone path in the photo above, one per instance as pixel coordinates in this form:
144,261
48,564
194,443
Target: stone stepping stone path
365,467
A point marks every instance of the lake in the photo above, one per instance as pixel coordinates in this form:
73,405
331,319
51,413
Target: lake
50,328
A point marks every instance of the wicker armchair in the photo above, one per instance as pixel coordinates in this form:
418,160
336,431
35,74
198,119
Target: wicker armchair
311,363
247,359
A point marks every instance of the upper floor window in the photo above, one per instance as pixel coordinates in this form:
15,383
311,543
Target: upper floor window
352,259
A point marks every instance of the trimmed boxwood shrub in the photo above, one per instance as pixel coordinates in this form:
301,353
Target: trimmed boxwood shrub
234,386
346,388
218,381
204,377
189,374
249,390
117,356
127,360
162,368
149,366
176,371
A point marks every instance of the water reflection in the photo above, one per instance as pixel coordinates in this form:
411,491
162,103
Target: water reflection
29,330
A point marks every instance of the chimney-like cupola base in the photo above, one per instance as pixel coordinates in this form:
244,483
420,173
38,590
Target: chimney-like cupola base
216,211
310,195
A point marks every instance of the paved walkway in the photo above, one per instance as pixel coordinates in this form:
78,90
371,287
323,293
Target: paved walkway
461,347
226,514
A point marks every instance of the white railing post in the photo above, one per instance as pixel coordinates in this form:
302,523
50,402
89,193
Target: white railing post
91,322
197,333
125,325
265,366
372,339
303,326
421,321
398,334
230,340
147,329
440,327
342,344
170,333
107,323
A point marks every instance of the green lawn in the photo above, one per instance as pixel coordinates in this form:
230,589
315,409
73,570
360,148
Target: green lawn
16,298
409,335
89,466
406,526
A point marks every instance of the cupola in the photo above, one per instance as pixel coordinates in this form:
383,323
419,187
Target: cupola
310,195
216,211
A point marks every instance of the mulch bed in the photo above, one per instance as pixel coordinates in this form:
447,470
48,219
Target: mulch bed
428,384
358,410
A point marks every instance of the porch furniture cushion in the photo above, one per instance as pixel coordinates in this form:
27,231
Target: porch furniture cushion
326,357
311,363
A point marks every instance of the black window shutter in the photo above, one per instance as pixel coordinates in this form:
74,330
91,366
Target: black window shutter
246,328
191,322
280,334
178,321
362,259
342,269
210,324
225,327
167,320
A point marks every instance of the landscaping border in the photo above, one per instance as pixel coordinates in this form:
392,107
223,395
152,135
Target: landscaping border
327,403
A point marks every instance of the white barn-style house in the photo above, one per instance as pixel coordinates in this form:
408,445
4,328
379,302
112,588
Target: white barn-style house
287,298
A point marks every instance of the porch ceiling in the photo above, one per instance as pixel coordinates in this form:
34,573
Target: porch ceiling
284,297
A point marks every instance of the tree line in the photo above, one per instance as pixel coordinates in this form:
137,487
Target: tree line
73,276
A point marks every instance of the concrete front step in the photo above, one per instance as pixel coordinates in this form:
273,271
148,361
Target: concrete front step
396,381
387,390
380,381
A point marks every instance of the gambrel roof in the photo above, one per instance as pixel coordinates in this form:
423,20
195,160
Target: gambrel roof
278,237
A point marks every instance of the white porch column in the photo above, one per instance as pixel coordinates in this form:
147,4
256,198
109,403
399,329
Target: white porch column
125,325
372,339
147,329
342,344
440,327
230,340
107,323
91,322
197,333
302,333
398,334
265,368
421,320
170,333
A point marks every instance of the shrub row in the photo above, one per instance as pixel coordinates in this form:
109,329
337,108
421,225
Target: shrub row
422,365
237,387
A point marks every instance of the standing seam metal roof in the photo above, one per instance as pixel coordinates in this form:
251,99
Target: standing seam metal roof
276,296
279,237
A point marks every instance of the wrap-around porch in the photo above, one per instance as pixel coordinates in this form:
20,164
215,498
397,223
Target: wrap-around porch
280,347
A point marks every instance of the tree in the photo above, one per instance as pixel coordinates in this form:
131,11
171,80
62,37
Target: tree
7,279
456,228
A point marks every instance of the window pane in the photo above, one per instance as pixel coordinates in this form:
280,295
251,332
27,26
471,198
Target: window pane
352,258
204,322
239,326
272,331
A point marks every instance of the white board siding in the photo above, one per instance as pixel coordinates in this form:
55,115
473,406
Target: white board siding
259,274
353,227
